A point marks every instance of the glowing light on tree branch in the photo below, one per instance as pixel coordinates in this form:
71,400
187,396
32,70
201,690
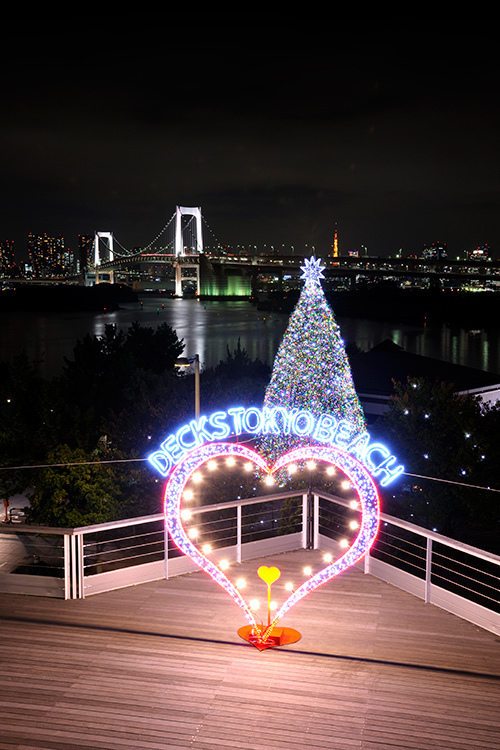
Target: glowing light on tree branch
311,370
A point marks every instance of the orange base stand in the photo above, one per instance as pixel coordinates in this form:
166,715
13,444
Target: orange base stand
279,637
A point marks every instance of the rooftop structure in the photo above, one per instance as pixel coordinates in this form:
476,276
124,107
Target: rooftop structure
374,371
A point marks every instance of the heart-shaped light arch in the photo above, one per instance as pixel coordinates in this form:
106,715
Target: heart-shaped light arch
353,469
173,496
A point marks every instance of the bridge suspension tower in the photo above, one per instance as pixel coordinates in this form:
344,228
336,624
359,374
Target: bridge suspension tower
186,247
197,236
181,263
107,238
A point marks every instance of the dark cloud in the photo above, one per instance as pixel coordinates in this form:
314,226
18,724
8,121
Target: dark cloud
390,131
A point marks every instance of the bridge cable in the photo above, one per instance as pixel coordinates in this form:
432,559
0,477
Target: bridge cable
217,241
146,247
130,253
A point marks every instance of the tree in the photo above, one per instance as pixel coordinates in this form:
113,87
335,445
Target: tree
151,406
12,482
75,490
290,518
98,383
445,435
235,380
25,412
311,369
153,349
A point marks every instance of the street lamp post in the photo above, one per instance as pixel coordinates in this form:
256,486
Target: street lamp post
187,362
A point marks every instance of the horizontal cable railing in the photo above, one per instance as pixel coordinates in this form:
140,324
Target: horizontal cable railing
75,563
400,548
455,576
248,520
473,578
115,548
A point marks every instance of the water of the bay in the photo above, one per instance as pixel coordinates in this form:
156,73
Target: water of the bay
209,328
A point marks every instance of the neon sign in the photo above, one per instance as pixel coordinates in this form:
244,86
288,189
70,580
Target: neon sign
357,474
324,429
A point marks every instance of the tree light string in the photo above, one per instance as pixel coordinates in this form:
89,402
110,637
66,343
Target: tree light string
311,369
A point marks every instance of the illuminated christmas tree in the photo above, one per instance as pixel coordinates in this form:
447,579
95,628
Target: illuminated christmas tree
311,370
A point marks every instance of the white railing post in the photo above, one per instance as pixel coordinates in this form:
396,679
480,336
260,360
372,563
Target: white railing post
74,592
238,533
81,576
366,562
428,568
165,551
305,503
316,522
67,567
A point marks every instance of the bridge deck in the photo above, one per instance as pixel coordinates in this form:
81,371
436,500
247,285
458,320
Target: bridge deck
161,666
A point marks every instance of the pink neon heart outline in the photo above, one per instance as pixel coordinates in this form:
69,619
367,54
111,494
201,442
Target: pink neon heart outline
354,470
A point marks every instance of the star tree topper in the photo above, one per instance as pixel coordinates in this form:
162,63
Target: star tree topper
312,271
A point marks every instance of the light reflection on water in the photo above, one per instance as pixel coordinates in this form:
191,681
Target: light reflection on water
210,328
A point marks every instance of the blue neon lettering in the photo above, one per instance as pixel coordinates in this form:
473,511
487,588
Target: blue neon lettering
218,420
324,429
168,446
161,461
256,414
343,433
357,447
180,437
375,448
389,473
201,435
308,423
236,413
269,423
288,416
177,452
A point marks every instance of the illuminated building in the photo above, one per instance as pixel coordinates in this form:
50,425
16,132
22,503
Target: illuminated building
48,256
335,244
85,251
6,257
435,251
374,372
480,253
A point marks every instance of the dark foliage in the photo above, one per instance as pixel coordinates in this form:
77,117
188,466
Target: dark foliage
118,397
442,434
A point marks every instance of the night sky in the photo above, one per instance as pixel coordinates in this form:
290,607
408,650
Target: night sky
389,130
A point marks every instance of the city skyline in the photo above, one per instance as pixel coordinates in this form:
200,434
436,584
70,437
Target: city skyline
83,251
278,133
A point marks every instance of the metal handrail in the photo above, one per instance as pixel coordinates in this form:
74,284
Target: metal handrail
438,578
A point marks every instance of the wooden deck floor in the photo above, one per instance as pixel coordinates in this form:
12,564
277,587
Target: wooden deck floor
160,666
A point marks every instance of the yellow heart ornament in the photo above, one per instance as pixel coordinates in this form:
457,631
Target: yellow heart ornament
268,575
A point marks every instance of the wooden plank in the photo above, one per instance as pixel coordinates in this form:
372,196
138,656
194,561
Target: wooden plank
160,665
